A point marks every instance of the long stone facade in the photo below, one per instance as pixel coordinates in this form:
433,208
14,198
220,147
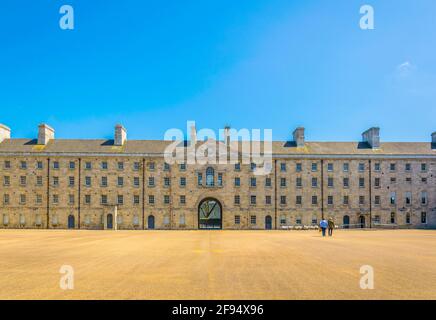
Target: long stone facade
126,184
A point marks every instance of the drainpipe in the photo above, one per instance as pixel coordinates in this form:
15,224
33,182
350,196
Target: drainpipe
322,189
143,193
370,195
48,193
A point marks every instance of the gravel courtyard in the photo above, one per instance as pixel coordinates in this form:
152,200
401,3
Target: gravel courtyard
217,264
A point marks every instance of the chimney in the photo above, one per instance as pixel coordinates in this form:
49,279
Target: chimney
120,135
193,133
5,132
298,135
433,140
372,137
227,135
45,133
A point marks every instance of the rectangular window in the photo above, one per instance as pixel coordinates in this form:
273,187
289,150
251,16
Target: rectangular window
136,166
282,199
298,220
135,199
299,182
151,181
182,166
361,167
71,181
408,198
237,219
361,182
314,200
423,217
23,180
166,166
38,199
120,181
103,199
103,181
120,165
267,182
361,200
330,200
151,199
424,180
6,199
268,200
55,199
220,179
7,164
55,165
55,181
237,166
393,180
253,219
377,182
314,166
408,167
71,199
330,167
298,167
282,219
423,167
23,164
392,217
346,200
253,182
314,182
167,181
377,219
393,198
346,167
6,181
136,182
39,165
182,199
283,167
377,166
253,200
330,182
151,166
298,200
88,165
377,200
88,181
87,199
252,166
200,179
120,199
39,180
72,165
237,182
408,179
423,198
392,167
104,165
282,182
237,199
182,181
346,182
166,199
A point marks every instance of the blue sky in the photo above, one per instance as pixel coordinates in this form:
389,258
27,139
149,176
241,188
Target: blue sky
153,65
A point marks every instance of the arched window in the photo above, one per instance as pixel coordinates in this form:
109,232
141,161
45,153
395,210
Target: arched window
210,179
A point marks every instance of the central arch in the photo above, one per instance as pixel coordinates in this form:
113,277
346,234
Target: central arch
210,214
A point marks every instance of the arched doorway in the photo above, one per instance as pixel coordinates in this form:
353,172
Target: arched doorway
362,221
110,221
71,222
210,214
268,223
150,222
346,222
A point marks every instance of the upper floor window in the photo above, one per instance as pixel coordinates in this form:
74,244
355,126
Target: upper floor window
330,167
182,181
120,165
252,166
151,166
210,176
7,164
220,179
72,165
88,165
283,167
39,165
237,166
200,179
408,167
346,167
55,164
23,164
314,166
298,167
423,167
377,166
392,167
120,181
253,182
182,166
282,182
267,182
299,182
361,167
330,182
136,166
237,182
166,166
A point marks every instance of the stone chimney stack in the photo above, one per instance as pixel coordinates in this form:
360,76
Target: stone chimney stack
45,133
298,135
120,135
5,132
193,134
227,135
372,137
433,137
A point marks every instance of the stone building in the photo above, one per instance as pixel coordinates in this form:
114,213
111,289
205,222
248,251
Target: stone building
126,184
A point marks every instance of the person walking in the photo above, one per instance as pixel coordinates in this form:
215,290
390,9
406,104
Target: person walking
323,225
331,226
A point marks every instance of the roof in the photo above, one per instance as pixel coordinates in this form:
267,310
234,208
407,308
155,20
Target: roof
103,146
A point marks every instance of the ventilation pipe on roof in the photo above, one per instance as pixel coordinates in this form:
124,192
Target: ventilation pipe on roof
372,137
5,132
45,133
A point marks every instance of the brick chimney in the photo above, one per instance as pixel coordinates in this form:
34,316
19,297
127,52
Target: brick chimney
45,133
5,132
120,135
372,137
298,136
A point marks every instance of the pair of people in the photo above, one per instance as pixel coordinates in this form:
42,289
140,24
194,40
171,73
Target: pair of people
330,225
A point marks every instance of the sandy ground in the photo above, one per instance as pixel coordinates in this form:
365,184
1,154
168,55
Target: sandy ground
217,264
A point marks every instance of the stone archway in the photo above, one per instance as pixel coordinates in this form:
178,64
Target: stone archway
210,214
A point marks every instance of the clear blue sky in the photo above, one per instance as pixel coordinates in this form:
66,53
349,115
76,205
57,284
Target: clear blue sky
152,65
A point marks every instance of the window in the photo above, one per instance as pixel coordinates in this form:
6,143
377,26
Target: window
23,180
424,198
151,166
151,199
298,167
120,181
103,199
136,166
39,180
120,199
393,180
55,181
166,199
237,199
182,167
104,181
268,200
330,167
346,167
361,182
393,198
423,217
210,177
392,166
267,182
72,165
298,182
424,180
330,200
6,180
237,182
298,220
253,200
361,200
88,181
282,182
314,182
167,181
377,219
39,165
182,199
237,166
23,164
71,181
151,181
71,199
135,199
298,200
253,219
377,166
346,182
55,165
166,166
423,167
7,164
330,182
220,179
136,181
361,167
88,165
283,167
314,220
392,217
87,199
346,200
253,182
237,219
182,181
182,219
38,199
282,219
120,165
282,199
377,182
252,166
314,166
408,179
103,165
377,200
408,198
6,199
408,167
199,178
314,200
22,198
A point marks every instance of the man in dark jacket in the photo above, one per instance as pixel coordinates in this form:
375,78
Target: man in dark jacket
331,226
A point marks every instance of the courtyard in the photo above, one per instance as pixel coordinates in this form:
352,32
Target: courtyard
217,264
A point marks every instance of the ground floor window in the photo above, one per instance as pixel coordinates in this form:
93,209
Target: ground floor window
237,219
166,219
314,220
392,217
283,219
298,220
408,218
423,217
5,219
377,219
135,220
253,219
182,219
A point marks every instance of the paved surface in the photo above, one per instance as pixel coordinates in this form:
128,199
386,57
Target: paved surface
217,264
